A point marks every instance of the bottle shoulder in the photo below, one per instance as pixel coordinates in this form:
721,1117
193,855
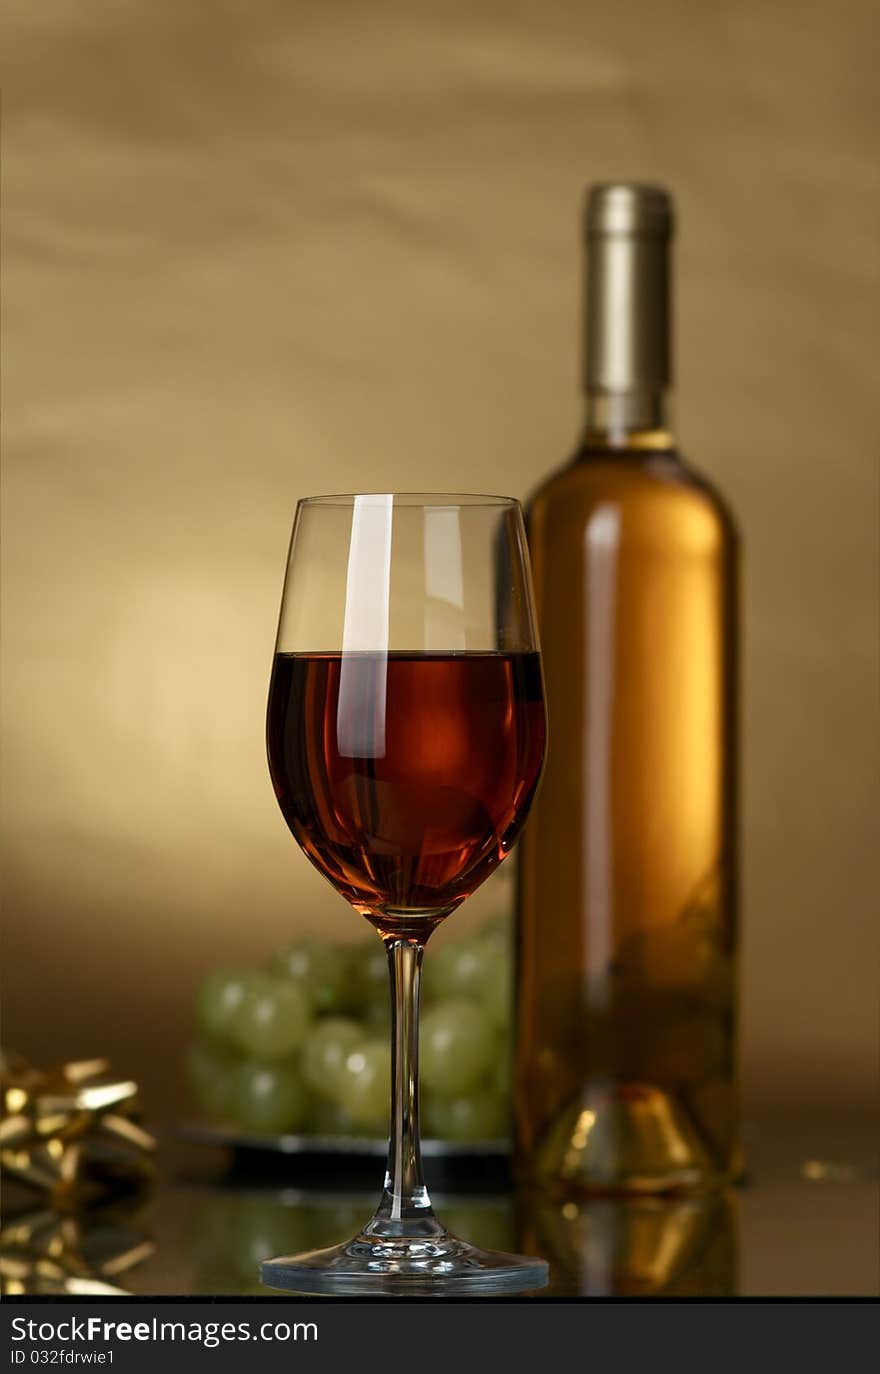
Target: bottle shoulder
628,481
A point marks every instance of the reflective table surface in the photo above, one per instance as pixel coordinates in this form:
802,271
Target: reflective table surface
804,1223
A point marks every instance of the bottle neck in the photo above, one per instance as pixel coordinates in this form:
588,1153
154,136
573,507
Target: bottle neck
637,420
627,333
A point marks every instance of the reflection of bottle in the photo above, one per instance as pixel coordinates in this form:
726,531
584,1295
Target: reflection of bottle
627,902
635,1247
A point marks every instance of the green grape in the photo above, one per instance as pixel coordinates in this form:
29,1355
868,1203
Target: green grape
501,1077
267,1097
498,980
499,924
209,1070
495,940
219,999
318,966
456,970
273,1018
367,975
328,1118
480,1116
363,1088
477,970
457,1047
377,1018
325,1050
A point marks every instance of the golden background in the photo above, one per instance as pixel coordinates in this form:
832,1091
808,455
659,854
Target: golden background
255,250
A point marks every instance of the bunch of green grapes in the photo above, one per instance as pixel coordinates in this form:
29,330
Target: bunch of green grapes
302,1045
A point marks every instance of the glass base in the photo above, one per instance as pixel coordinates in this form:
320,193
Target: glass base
392,1266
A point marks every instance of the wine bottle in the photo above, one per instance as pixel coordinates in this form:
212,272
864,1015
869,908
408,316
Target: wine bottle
627,891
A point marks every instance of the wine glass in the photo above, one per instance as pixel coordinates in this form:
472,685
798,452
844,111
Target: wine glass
405,737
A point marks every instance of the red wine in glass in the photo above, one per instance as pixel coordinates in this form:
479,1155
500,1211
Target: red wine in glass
405,777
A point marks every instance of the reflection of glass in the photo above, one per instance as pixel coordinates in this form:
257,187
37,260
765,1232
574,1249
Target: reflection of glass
406,737
636,1247
232,1230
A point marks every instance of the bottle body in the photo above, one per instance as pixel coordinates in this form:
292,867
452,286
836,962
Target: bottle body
627,929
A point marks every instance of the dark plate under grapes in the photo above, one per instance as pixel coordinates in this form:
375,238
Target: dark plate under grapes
366,1147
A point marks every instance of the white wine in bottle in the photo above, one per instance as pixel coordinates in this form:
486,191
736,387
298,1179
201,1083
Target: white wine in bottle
627,904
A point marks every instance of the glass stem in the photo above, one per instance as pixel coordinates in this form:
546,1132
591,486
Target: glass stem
405,1207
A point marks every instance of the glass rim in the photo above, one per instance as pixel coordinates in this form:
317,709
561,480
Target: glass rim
448,499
